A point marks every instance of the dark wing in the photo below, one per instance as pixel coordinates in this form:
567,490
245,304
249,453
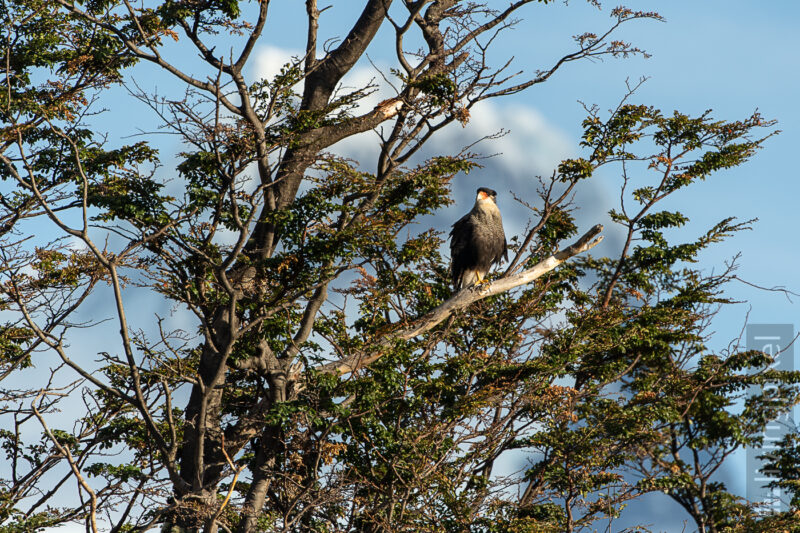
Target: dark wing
501,253
462,252
494,247
504,254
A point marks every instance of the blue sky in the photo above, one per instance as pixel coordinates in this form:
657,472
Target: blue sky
732,57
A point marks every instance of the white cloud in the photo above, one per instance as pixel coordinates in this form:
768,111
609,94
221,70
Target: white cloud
270,60
532,147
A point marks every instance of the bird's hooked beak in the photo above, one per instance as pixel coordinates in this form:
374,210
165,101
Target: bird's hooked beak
484,196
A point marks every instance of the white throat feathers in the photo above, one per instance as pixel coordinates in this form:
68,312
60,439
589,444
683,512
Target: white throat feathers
486,206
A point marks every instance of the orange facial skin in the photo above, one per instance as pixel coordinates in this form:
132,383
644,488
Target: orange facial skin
482,195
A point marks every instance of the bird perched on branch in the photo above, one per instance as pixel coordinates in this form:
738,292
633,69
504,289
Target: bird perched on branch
477,241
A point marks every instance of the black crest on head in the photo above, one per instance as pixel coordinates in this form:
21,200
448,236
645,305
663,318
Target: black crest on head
490,192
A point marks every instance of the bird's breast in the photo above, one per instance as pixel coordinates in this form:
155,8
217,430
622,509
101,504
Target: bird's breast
488,220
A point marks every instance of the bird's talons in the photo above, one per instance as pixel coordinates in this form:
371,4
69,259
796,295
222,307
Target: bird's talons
481,283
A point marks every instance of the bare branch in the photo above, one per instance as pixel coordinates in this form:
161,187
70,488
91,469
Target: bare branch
64,451
464,298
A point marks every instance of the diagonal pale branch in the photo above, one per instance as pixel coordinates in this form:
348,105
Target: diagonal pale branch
461,300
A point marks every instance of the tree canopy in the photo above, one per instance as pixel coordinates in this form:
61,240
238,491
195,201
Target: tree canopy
328,378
